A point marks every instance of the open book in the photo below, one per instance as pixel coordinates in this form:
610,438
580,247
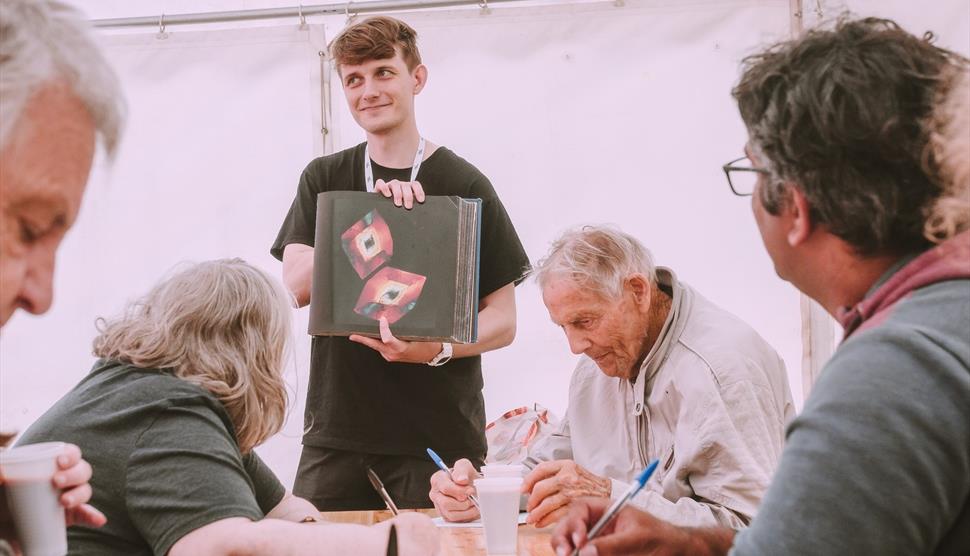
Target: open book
417,268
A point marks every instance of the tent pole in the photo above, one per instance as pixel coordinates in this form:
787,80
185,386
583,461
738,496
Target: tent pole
349,8
818,327
796,18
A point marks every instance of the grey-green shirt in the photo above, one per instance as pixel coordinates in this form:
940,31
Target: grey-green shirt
164,455
879,460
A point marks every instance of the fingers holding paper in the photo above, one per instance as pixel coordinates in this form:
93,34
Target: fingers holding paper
396,350
404,192
452,497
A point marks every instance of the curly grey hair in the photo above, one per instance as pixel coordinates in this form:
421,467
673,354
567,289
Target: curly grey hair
46,41
840,113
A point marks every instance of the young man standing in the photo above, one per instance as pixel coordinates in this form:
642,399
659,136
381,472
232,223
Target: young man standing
381,403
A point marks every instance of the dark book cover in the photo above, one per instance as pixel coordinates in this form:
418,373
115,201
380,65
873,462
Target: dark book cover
418,268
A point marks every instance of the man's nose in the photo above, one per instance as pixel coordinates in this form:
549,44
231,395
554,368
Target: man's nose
577,342
370,88
37,292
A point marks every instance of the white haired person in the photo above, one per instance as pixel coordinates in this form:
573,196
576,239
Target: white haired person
188,383
664,374
57,95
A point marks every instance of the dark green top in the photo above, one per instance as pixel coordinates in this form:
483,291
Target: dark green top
164,455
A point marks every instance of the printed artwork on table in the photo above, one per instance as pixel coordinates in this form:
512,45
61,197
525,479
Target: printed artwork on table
368,243
391,293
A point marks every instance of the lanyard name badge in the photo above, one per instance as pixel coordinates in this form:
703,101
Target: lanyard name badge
369,171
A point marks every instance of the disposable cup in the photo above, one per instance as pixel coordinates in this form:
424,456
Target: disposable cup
499,501
37,513
493,470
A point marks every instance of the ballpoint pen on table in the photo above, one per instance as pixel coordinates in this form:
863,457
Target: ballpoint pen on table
441,465
375,481
616,506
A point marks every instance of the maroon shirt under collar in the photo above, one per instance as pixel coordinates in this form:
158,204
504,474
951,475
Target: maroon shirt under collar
949,260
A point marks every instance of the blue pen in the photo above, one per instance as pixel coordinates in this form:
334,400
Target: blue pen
615,508
441,465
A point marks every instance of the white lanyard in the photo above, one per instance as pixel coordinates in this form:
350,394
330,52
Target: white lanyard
369,172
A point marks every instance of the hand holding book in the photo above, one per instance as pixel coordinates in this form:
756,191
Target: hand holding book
398,351
404,192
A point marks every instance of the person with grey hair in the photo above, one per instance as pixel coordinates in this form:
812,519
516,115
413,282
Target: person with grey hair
57,92
664,374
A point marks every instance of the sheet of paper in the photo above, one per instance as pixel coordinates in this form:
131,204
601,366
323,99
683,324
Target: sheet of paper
439,522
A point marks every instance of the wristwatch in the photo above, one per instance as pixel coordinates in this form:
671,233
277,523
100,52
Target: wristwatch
443,357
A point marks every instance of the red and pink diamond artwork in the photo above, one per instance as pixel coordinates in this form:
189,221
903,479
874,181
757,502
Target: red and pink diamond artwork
391,293
368,243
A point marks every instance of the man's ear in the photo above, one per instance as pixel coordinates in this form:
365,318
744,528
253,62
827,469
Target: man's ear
420,74
801,216
638,285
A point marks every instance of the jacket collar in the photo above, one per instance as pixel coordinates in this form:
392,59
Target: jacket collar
682,299
949,260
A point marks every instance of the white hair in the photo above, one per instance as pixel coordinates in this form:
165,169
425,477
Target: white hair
598,258
44,42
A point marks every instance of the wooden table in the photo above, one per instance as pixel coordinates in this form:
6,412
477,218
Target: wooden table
457,541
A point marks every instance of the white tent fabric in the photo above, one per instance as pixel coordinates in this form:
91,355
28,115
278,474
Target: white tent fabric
579,113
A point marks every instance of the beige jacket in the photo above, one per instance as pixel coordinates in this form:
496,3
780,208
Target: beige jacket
711,402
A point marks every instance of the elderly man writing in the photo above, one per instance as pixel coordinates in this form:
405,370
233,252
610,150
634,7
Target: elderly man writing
665,374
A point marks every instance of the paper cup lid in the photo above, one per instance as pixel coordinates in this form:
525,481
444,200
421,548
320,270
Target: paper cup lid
31,452
498,482
503,468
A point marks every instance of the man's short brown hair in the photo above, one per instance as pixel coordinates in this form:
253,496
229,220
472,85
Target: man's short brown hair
376,38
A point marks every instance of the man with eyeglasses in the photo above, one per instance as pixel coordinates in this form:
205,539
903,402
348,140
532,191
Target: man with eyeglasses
845,192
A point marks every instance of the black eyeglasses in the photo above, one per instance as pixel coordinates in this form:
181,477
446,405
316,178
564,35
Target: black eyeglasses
742,177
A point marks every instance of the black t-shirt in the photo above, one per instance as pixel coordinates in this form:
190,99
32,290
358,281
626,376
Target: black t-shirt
358,401
164,455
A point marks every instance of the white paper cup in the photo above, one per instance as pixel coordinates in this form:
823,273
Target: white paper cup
499,501
494,470
37,513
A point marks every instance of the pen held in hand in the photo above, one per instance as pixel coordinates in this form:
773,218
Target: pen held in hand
618,505
441,465
375,482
